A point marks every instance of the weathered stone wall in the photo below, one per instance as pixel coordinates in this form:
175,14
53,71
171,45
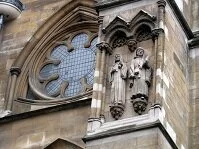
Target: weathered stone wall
190,10
175,93
18,32
184,6
195,15
194,96
150,139
39,131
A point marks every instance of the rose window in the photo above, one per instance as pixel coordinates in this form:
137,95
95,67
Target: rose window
70,71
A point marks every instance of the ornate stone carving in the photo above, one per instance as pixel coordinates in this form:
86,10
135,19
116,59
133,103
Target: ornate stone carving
119,42
156,32
144,35
161,3
117,111
85,86
140,79
118,75
15,71
105,46
132,44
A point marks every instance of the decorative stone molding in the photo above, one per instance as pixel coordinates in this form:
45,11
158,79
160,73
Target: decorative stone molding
161,3
139,105
36,54
132,44
130,29
105,46
119,42
11,9
117,111
144,35
100,19
15,71
156,32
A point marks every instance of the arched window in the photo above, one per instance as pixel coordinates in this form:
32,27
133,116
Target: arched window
57,64
69,72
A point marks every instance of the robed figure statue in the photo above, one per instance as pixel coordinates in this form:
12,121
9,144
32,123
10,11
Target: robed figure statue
117,75
140,79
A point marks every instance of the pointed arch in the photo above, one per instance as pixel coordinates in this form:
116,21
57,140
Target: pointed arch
75,16
72,12
129,28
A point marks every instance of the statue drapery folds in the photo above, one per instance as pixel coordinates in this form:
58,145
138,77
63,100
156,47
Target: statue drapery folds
140,80
118,74
138,74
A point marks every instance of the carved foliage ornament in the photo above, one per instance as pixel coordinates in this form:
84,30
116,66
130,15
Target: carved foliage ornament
105,46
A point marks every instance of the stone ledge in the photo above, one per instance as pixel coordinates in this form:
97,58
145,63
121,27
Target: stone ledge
131,128
129,125
15,117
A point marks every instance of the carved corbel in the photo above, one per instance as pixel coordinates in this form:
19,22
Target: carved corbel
117,110
156,32
15,71
105,46
161,3
132,44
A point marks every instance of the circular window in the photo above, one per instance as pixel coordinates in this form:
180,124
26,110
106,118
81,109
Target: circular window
75,68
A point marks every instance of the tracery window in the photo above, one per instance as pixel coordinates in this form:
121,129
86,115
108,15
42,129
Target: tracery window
68,71
57,64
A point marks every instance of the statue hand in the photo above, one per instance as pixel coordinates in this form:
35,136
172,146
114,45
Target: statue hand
120,66
148,83
113,70
131,85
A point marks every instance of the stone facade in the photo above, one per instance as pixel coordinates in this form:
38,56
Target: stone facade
165,116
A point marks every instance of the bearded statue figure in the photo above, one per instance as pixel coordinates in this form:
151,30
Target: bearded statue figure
140,79
118,74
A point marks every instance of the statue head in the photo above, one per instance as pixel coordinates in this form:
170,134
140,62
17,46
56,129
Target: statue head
139,52
117,58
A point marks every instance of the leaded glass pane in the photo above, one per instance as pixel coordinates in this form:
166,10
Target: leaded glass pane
74,65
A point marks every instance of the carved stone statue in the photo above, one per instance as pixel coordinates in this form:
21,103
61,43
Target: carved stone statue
140,79
117,77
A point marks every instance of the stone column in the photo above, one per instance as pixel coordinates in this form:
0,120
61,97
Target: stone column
95,85
105,49
159,45
15,72
96,104
96,74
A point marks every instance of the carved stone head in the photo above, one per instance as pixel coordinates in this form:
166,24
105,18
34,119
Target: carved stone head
117,58
139,52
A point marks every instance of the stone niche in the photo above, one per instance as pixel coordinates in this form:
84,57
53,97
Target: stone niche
126,39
